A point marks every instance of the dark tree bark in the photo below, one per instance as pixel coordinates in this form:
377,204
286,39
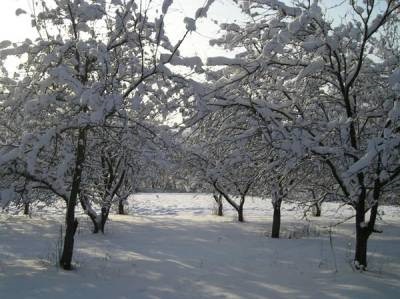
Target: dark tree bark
276,221
66,258
95,225
26,208
363,229
237,207
71,221
110,178
121,210
90,212
360,257
278,194
240,215
363,232
316,209
104,217
220,208
240,210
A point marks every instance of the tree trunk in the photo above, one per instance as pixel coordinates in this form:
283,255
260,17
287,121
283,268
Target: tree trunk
316,209
26,208
71,226
121,210
276,221
68,249
95,225
241,205
104,217
240,214
360,259
71,221
90,212
238,208
220,208
362,234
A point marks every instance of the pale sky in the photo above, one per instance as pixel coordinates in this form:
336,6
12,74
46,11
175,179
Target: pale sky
12,27
17,28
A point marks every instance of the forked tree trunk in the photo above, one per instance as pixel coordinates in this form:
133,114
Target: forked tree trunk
110,193
276,221
237,207
71,221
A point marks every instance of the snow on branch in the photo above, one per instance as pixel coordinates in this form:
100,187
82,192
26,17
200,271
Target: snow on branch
281,6
190,24
165,6
224,61
202,12
191,62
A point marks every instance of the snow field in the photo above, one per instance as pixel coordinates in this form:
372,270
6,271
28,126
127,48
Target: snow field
170,246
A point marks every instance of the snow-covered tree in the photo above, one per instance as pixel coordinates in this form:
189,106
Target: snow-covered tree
322,90
94,64
277,182
220,151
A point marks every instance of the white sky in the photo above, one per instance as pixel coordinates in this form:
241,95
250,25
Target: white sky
17,28
12,27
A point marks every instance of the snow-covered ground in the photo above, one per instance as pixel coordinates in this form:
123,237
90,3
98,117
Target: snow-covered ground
171,246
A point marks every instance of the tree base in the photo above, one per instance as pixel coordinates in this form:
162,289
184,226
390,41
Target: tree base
359,267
